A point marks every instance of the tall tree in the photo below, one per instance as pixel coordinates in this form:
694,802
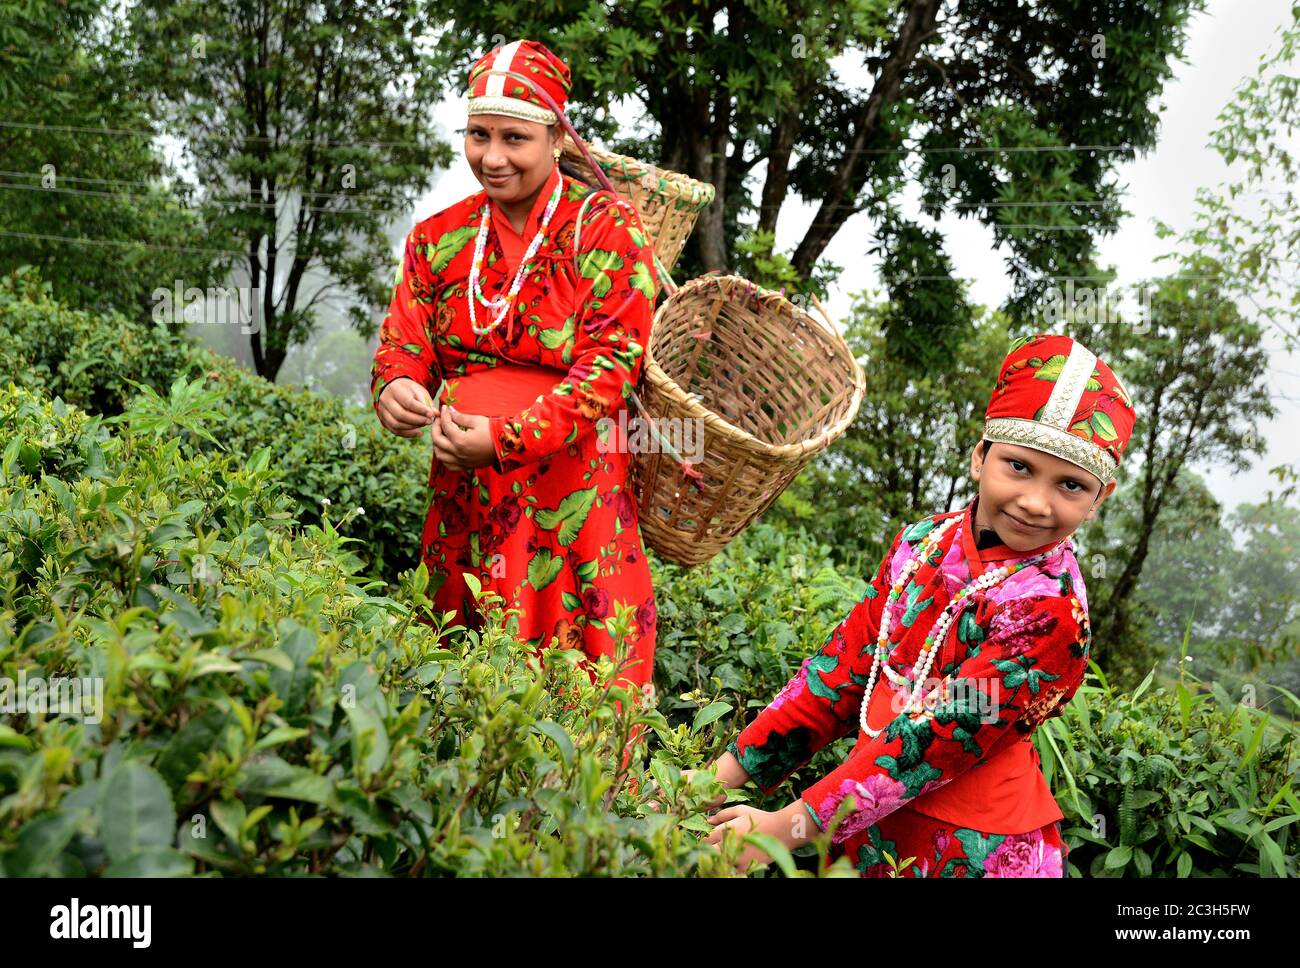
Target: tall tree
309,127
86,195
1185,587
1013,113
1265,612
1196,372
1251,225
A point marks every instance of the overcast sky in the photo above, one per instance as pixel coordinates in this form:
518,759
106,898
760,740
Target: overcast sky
1225,45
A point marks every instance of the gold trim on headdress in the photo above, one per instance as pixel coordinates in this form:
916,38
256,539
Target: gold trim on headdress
1051,440
512,107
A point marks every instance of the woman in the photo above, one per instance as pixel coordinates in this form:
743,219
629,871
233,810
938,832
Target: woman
538,326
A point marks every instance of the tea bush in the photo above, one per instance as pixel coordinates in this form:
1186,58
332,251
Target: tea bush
87,359
268,709
731,633
1174,782
263,712
323,449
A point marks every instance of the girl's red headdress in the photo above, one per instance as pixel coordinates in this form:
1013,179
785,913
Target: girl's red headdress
1054,395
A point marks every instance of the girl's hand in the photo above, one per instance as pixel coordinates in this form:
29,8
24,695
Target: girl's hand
729,773
718,801
653,787
745,819
788,826
405,408
462,449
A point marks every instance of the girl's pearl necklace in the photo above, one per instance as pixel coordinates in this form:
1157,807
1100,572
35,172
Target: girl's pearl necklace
933,640
501,304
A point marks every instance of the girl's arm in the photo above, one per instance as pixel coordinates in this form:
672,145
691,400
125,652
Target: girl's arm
615,302
820,703
1030,665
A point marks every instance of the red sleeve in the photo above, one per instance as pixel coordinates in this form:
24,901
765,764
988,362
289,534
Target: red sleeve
615,302
1032,661
820,704
404,349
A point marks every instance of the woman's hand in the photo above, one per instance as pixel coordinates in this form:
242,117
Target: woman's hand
405,408
462,441
726,768
788,826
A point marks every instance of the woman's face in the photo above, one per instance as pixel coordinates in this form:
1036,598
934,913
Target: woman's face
510,157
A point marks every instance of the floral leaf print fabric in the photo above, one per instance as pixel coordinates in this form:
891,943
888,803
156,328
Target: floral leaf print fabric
608,333
440,252
404,348
920,846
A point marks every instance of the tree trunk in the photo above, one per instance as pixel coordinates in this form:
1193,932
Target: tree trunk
777,179
840,200
709,163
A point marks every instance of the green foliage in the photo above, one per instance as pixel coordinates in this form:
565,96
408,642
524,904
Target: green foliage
765,101
324,449
87,358
1197,375
1257,243
737,629
758,261
330,137
265,710
100,211
262,711
927,318
1173,782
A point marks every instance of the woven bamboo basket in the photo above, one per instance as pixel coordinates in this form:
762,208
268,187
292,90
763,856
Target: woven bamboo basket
667,201
771,388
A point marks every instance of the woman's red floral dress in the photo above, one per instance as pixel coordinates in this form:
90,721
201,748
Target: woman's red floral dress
551,527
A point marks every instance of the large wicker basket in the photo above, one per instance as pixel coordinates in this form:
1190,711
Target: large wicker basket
771,387
667,201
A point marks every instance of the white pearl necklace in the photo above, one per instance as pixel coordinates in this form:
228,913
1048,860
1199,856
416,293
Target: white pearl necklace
501,304
934,639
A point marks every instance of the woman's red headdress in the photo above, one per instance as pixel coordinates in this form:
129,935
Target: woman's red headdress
493,91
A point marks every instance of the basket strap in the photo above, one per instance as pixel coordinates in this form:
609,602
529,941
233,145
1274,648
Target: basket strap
577,232
665,277
666,281
687,468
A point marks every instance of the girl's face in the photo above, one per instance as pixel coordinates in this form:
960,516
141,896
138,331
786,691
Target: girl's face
1031,498
510,157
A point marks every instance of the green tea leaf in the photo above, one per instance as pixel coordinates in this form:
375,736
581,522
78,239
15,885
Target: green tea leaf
713,711
137,811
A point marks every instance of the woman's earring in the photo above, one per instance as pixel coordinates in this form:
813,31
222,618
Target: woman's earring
557,156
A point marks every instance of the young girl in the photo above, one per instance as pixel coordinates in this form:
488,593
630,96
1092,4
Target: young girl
972,633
